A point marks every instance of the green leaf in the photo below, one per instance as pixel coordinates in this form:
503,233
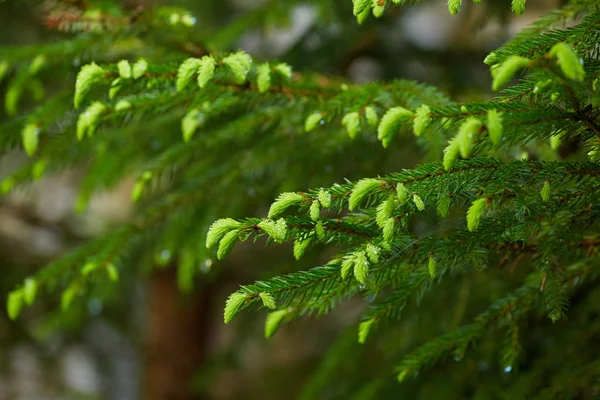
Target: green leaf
87,76
352,123
268,300
263,77
315,210
273,322
233,304
226,243
363,330
29,290
494,126
139,68
283,202
421,120
475,213
505,71
219,228
206,70
312,121
29,136
186,71
568,61
14,304
362,189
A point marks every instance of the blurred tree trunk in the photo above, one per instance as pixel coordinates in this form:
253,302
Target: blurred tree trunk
176,337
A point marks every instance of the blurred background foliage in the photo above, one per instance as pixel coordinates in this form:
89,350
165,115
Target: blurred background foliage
146,338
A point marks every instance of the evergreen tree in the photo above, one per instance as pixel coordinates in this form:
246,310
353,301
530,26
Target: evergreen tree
489,243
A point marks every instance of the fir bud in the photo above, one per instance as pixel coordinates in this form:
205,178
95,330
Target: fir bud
139,68
373,253
227,243
86,123
320,231
546,191
29,290
555,141
112,272
276,230
466,133
454,6
347,264
505,71
186,71
206,70
359,6
418,202
239,64
263,77
273,321
67,297
124,69
30,139
233,305
189,124
324,198
4,67
363,330
402,193
14,304
361,267
312,121
352,122
432,266
371,116
388,230
284,70
568,61
219,228
390,123
87,76
315,210
494,126
122,105
300,247
378,8
422,119
268,300
475,213
443,206
283,202
518,6
362,189
385,210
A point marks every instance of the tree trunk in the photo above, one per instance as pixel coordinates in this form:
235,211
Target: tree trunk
176,337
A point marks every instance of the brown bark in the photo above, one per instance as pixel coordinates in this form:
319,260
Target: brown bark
176,338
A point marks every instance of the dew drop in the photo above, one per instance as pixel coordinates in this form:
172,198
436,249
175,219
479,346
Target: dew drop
507,369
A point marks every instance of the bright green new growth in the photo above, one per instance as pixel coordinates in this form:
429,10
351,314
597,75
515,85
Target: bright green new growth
371,116
454,6
402,193
432,266
504,72
568,61
273,322
219,228
30,139
186,72
546,191
494,126
226,244
363,330
88,120
283,202
239,64
300,247
139,68
315,210
385,210
263,77
418,202
14,304
421,120
352,123
206,70
324,198
268,300
277,230
233,305
518,6
189,124
390,123
124,69
312,121
475,213
87,76
362,190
